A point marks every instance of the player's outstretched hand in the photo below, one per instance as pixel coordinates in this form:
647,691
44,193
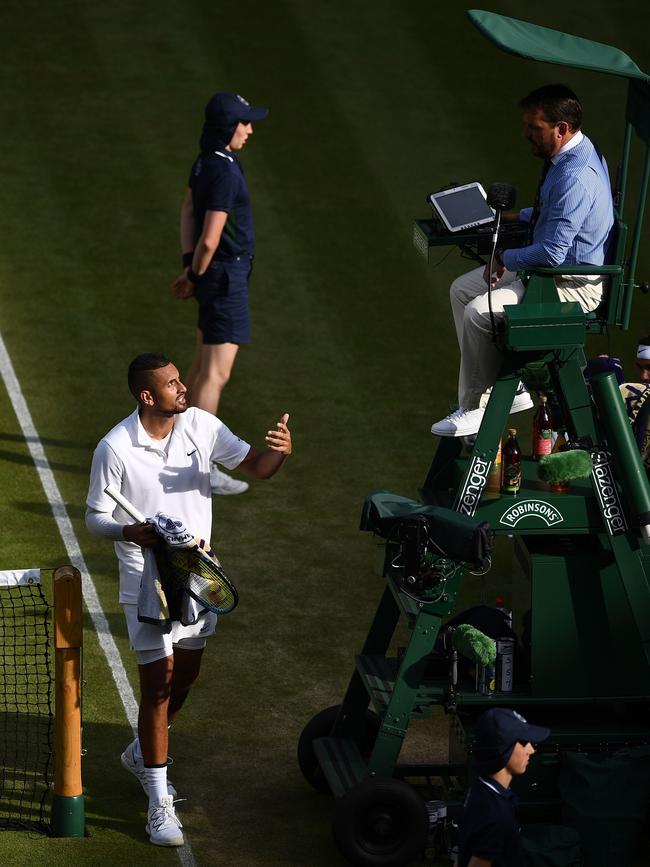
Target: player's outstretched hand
279,440
182,287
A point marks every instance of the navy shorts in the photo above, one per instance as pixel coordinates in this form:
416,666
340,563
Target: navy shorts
222,295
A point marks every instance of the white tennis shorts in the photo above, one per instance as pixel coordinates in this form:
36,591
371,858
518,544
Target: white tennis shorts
151,643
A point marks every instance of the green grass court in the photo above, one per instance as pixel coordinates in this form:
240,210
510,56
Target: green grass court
372,106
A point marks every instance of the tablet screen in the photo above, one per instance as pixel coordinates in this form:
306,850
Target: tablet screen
462,207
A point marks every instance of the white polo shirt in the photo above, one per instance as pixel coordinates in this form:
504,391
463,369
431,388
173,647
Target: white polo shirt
170,476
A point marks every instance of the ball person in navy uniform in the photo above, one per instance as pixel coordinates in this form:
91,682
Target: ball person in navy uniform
488,828
218,245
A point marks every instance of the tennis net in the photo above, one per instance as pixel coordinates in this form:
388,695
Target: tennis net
26,712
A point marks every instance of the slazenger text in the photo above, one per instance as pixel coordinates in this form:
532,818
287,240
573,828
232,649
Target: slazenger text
608,494
474,486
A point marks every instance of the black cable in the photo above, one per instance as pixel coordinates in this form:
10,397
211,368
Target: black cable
495,239
440,261
501,197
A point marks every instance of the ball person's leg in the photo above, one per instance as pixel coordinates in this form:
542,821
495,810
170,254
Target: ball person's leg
215,363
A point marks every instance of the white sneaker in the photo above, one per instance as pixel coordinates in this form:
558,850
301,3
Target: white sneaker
135,766
223,484
460,423
163,825
522,400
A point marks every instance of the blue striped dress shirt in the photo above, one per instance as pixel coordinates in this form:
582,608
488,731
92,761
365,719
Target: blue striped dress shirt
576,213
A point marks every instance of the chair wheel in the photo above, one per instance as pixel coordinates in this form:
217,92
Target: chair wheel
381,823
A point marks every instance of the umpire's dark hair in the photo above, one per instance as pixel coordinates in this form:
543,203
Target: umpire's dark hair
558,102
140,369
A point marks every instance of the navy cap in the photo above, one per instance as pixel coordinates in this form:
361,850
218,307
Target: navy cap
229,109
496,733
222,114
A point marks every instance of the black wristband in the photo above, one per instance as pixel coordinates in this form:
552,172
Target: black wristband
188,258
498,255
192,276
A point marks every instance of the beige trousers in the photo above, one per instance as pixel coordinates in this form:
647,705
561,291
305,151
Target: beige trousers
480,359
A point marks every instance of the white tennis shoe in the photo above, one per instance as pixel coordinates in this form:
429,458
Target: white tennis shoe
223,484
163,825
459,423
522,400
135,766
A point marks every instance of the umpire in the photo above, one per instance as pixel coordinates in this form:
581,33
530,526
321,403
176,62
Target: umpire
218,244
488,828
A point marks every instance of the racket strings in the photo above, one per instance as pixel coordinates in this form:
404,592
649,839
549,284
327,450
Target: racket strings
201,578
209,591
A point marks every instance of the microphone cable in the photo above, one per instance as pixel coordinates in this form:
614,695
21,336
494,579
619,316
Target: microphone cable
501,197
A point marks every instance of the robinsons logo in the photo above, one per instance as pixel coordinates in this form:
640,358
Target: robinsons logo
531,509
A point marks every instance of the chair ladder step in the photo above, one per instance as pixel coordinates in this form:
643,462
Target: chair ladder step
341,762
379,675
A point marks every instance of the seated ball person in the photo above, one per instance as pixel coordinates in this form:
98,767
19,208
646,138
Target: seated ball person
488,828
570,224
636,394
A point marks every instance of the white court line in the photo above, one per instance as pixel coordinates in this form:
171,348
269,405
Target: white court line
104,635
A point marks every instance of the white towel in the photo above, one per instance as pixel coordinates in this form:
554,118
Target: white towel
153,606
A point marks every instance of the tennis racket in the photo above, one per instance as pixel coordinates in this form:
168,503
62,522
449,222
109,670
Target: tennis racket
194,569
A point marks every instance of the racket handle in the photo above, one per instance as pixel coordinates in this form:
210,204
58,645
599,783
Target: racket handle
128,507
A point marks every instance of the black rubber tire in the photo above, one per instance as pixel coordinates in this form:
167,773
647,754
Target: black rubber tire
381,823
320,726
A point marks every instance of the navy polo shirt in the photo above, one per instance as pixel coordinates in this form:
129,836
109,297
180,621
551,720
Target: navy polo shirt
488,826
217,183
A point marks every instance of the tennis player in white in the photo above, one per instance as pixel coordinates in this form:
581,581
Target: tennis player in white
159,458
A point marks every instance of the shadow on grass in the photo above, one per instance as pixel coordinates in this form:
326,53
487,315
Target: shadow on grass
72,510
47,441
253,810
12,457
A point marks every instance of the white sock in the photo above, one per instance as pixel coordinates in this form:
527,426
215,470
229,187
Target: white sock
157,783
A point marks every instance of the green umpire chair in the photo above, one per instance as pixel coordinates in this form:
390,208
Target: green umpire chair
583,556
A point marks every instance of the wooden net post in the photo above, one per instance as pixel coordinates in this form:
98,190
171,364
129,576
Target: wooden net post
68,813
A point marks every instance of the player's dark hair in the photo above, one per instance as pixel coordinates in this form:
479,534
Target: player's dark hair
644,341
558,102
140,370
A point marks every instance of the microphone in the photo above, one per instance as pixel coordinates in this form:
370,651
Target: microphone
501,197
